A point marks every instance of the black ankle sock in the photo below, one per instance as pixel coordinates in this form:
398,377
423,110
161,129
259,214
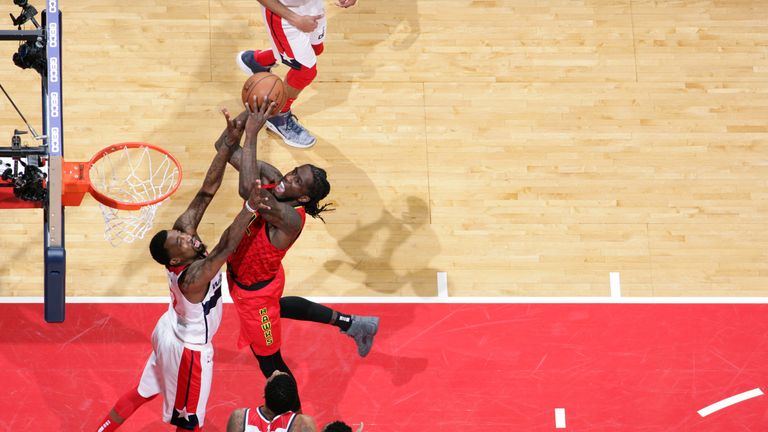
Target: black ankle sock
343,321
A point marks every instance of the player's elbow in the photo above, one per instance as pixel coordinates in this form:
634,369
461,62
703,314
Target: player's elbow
292,232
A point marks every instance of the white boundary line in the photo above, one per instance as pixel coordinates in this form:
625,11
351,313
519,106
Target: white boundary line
725,403
559,418
488,300
442,284
615,284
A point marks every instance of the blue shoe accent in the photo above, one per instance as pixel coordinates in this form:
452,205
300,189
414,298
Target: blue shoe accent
287,126
247,62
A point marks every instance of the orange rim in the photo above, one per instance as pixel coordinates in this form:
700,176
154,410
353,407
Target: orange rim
124,205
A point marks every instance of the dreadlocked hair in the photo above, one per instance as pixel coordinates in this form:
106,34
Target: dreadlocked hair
319,190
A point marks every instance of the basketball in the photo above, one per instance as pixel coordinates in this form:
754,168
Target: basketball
264,84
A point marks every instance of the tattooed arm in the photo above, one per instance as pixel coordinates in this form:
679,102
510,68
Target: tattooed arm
236,156
197,276
249,168
190,219
268,173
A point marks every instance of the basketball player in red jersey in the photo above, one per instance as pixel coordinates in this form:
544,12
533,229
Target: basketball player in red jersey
280,394
296,29
181,363
276,415
255,272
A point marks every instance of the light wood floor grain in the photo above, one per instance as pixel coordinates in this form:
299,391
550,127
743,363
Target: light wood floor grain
523,147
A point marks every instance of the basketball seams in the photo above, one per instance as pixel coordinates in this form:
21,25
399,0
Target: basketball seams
276,93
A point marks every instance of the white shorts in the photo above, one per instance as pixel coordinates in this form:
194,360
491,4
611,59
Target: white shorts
290,45
180,374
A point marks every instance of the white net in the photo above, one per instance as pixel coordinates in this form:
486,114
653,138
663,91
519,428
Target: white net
125,226
132,175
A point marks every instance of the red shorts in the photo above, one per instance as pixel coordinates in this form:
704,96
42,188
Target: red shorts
259,313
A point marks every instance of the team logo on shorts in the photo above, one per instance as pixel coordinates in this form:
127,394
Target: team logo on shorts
290,61
266,326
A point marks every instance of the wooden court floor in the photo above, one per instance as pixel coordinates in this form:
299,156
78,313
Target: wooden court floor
525,148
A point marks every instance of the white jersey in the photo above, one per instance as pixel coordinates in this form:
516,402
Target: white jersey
305,7
194,323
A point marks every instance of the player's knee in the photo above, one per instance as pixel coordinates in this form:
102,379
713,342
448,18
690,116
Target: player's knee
318,48
301,78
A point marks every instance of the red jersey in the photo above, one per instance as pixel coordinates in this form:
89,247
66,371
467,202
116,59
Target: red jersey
256,422
256,259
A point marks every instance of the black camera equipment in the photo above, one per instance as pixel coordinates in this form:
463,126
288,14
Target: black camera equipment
26,178
24,173
28,13
28,183
31,54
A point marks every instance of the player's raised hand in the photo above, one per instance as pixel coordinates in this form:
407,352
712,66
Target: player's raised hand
259,116
235,128
259,198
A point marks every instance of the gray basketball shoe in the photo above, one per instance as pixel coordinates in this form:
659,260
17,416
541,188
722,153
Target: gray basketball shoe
287,126
247,62
362,330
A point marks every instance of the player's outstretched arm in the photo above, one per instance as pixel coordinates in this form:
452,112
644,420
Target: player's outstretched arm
190,219
249,167
236,124
269,174
196,277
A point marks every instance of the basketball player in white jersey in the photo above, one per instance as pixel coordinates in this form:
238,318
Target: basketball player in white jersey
280,394
181,363
296,29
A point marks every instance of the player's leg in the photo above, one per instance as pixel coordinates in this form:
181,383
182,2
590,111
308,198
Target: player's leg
178,375
360,328
133,399
183,390
255,61
269,363
194,383
304,49
298,51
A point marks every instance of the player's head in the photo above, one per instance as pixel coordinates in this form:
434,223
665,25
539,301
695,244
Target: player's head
306,184
280,393
337,426
173,247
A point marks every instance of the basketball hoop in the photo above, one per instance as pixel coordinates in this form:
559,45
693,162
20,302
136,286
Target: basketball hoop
129,180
